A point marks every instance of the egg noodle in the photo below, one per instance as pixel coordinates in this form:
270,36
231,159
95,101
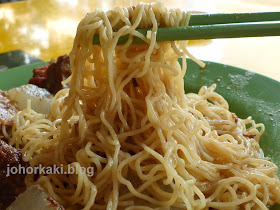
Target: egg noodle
151,145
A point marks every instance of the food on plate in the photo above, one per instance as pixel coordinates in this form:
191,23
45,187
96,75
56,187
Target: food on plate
35,198
8,109
50,75
40,98
126,115
10,185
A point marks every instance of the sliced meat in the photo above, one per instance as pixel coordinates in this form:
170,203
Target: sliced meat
50,76
64,62
40,75
8,109
11,185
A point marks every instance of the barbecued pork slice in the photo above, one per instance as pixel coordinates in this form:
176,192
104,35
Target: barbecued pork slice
8,109
50,75
11,184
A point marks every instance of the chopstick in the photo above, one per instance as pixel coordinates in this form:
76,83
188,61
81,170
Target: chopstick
215,26
225,18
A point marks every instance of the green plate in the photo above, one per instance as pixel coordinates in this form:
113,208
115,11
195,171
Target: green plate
248,94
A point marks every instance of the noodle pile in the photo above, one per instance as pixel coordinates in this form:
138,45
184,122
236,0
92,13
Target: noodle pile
150,144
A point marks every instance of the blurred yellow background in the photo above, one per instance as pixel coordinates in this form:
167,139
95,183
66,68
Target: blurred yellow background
46,29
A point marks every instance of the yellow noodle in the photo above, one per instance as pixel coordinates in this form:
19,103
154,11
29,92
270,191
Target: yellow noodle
150,144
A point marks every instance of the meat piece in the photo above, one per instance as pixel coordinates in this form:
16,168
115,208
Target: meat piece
40,75
11,185
249,135
64,62
35,198
50,76
8,109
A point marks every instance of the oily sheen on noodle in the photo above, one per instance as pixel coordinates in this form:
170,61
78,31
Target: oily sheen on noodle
151,145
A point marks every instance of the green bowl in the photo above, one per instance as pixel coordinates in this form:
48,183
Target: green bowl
248,94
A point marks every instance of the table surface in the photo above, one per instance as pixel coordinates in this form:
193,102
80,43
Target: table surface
46,29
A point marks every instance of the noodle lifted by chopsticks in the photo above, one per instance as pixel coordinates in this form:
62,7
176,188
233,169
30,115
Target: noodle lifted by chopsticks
151,145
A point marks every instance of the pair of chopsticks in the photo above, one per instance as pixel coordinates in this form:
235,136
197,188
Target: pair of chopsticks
215,26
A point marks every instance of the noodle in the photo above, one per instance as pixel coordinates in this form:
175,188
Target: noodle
150,144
